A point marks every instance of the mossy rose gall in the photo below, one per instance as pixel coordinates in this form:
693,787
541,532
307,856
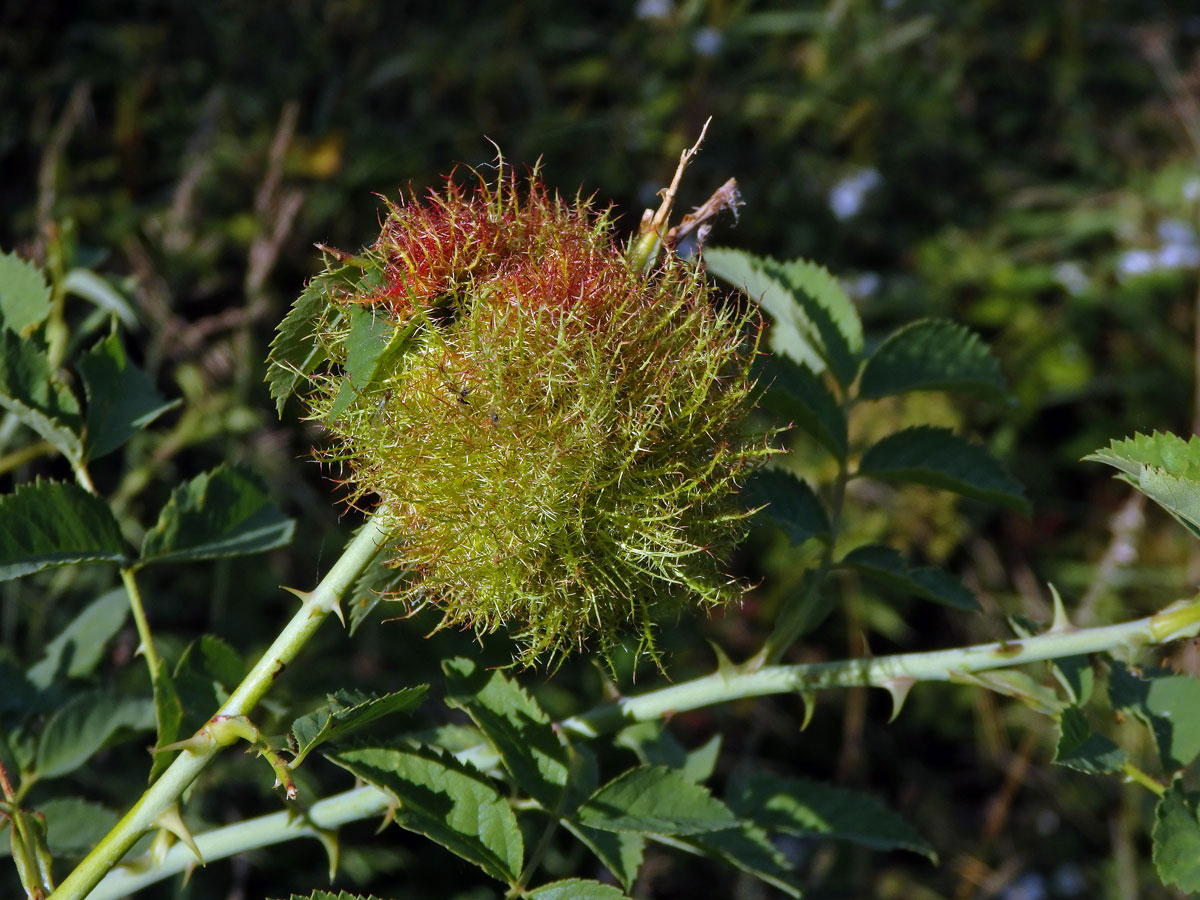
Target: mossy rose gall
556,438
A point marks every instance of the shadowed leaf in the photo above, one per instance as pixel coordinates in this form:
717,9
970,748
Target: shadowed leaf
225,512
790,503
1082,749
814,321
168,716
1177,838
121,398
37,396
514,724
75,825
620,851
445,801
805,807
77,649
1166,702
655,800
348,712
295,351
938,458
796,394
49,523
576,889
750,849
929,355
24,294
76,730
886,565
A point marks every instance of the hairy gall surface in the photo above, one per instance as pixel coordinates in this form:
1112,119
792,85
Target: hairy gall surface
558,439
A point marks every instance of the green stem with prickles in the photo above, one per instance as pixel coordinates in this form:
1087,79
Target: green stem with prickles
1178,621
200,751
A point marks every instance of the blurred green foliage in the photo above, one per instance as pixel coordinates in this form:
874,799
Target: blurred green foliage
1031,170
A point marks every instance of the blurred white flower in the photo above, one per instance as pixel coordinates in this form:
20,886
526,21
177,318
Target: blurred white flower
1178,256
1191,189
1069,881
1136,262
863,285
707,41
653,9
847,196
1072,277
1176,231
1179,249
1030,886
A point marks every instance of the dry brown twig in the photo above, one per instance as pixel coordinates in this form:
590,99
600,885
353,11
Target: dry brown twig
654,226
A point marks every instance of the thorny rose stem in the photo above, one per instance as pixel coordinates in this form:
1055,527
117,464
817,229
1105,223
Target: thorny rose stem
896,673
159,797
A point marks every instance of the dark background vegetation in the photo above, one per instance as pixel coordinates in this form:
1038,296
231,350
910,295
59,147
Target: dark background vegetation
1032,170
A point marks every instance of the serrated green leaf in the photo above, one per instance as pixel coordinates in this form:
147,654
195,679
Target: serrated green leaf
215,659
348,712
75,825
655,800
823,287
1176,494
805,807
1076,676
515,725
458,739
931,355
790,503
885,565
750,849
37,396
620,851
941,459
585,776
84,724
168,716
1164,467
91,287
225,512
24,294
370,334
1167,703
792,334
576,889
814,321
49,523
121,398
328,895
445,801
1082,749
830,308
206,672
77,649
656,746
296,351
1176,838
1160,450
798,395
